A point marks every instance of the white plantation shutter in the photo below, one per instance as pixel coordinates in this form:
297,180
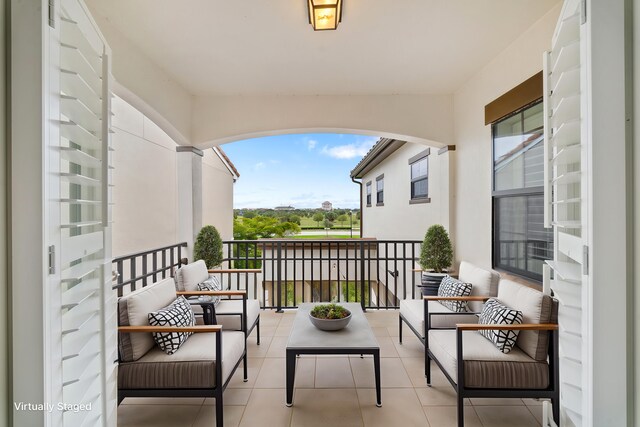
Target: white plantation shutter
82,306
565,206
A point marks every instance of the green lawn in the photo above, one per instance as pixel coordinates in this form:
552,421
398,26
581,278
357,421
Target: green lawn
308,222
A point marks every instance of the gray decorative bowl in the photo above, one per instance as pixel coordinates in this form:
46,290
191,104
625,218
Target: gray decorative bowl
330,324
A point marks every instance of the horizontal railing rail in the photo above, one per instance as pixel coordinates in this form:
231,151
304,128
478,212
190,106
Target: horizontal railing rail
146,267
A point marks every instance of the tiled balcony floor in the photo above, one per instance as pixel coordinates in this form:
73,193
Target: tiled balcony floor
333,390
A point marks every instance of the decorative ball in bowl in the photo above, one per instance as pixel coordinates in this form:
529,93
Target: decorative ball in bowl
330,317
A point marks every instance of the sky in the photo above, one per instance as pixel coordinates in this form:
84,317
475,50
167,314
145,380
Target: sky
297,170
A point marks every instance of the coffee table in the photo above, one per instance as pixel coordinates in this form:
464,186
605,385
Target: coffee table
356,338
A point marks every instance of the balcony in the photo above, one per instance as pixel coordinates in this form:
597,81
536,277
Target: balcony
329,390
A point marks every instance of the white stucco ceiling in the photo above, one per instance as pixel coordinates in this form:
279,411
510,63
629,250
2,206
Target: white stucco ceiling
266,47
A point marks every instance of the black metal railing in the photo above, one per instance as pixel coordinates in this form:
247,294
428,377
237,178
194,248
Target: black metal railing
147,267
375,273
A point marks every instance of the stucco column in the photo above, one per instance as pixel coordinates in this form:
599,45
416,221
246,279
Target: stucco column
189,167
446,160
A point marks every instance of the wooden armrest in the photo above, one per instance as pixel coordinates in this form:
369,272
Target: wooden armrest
196,328
236,270
468,298
520,327
212,293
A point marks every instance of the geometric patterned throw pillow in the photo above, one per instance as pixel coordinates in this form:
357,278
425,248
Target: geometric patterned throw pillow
178,313
496,313
450,287
211,284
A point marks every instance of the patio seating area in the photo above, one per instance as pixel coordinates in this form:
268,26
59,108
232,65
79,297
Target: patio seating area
333,390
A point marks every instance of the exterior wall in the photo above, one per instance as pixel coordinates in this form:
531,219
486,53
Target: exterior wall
398,219
145,193
217,195
521,60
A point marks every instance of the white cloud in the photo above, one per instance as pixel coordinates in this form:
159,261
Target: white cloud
311,144
349,151
260,165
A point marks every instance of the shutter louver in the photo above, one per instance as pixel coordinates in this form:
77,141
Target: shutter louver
87,305
564,197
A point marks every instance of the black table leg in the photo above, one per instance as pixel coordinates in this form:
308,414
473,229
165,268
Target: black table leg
291,375
376,367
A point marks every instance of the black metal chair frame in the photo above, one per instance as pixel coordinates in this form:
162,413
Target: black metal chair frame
551,392
215,392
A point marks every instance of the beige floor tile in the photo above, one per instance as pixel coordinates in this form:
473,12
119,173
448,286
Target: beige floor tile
387,348
411,347
232,397
278,347
266,408
380,331
415,370
400,407
485,401
163,401
254,350
392,331
255,363
151,416
207,416
283,330
269,318
326,407
272,373
438,396
305,372
446,416
536,411
334,372
266,331
392,373
506,416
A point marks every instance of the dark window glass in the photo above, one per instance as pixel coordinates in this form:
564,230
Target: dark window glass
368,194
420,179
520,242
380,190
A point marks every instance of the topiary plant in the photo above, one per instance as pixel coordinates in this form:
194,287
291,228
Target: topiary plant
437,252
208,246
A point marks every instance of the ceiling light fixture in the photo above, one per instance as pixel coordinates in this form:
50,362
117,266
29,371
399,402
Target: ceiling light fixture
325,14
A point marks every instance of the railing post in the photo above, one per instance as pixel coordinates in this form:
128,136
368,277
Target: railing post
279,279
362,281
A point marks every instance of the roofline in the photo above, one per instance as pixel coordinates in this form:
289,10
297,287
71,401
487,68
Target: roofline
379,152
227,162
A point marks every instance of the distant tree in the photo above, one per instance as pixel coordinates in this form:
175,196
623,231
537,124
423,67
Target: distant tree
358,215
262,227
317,217
343,218
249,214
294,219
328,224
330,216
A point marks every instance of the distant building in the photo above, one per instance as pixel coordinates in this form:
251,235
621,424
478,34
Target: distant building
284,208
327,206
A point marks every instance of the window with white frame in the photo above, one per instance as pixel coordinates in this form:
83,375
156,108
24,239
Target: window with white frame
419,165
380,190
368,189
